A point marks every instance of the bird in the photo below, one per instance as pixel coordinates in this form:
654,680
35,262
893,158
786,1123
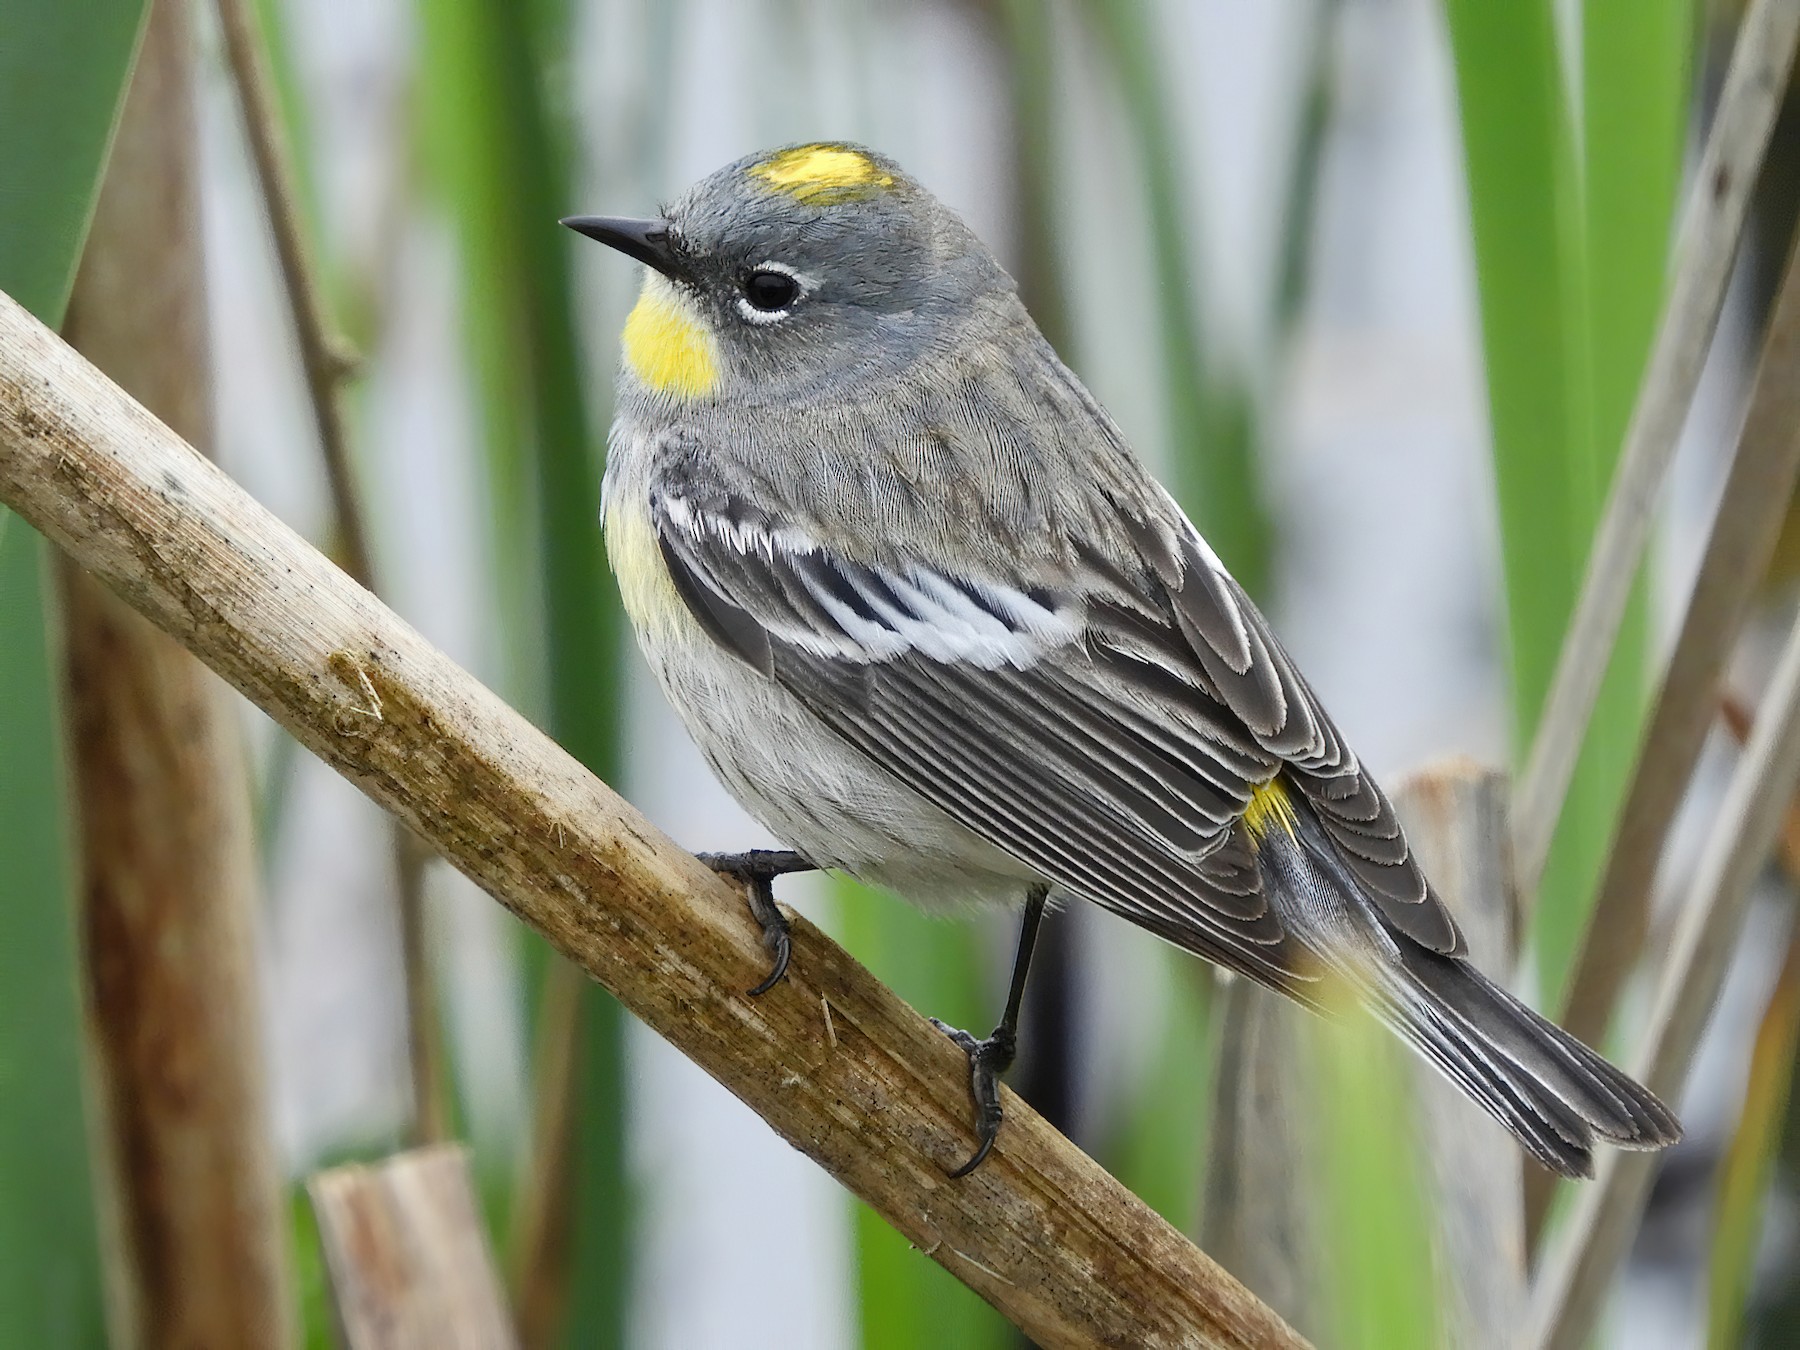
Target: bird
931,620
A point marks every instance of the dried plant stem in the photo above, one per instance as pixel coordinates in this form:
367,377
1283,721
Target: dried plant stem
1262,1211
1041,1231
196,1249
325,354
1747,523
1738,719
1578,1271
408,1256
543,1218
1710,229
1758,488
424,1026
328,361
1455,815
1743,1183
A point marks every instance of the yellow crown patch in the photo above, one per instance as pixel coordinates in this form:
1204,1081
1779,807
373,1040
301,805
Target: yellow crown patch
822,174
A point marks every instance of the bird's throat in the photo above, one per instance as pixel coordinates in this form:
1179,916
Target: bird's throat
667,346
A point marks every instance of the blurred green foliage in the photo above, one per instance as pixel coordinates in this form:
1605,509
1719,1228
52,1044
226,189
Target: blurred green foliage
1374,1234
1636,84
1571,218
1742,1201
1159,1145
49,1265
1212,425
1572,171
63,72
498,145
905,1299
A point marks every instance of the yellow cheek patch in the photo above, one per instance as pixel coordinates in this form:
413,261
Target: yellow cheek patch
1270,806
665,347
823,174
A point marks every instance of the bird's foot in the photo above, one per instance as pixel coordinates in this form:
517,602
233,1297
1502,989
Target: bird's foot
988,1059
757,868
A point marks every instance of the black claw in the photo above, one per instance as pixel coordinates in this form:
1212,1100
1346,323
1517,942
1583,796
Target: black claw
987,1147
780,944
757,868
988,1059
992,1057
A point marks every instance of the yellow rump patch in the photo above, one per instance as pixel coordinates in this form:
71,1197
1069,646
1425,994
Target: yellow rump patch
822,174
666,347
1269,806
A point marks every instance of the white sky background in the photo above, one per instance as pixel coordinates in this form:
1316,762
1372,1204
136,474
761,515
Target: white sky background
1387,588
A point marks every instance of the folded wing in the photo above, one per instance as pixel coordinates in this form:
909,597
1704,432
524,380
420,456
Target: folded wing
1108,730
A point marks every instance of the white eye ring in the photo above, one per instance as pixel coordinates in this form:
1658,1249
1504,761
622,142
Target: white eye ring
767,316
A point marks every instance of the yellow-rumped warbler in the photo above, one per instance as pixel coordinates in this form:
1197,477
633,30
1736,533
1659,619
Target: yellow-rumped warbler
932,623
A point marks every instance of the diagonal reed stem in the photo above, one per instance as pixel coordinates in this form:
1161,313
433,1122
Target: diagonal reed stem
1758,488
1578,1270
1710,229
1041,1232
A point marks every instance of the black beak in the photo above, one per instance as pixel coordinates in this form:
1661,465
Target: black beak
646,240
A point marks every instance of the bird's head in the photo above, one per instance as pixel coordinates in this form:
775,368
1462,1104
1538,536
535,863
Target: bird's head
790,269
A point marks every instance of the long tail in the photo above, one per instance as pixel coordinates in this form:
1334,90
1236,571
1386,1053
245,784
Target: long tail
1555,1095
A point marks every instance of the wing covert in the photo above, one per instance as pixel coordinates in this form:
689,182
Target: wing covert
1126,792
1120,768
1274,700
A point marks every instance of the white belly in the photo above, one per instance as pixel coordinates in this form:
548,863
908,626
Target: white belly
812,790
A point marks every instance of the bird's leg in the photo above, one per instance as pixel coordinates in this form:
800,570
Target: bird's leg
756,868
990,1058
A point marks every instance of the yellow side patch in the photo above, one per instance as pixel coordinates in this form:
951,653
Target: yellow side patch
667,348
644,582
823,174
1269,806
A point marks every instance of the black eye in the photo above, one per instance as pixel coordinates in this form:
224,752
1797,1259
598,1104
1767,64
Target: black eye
769,290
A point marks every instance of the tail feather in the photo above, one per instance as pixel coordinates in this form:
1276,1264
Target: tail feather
1554,1094
1544,1126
